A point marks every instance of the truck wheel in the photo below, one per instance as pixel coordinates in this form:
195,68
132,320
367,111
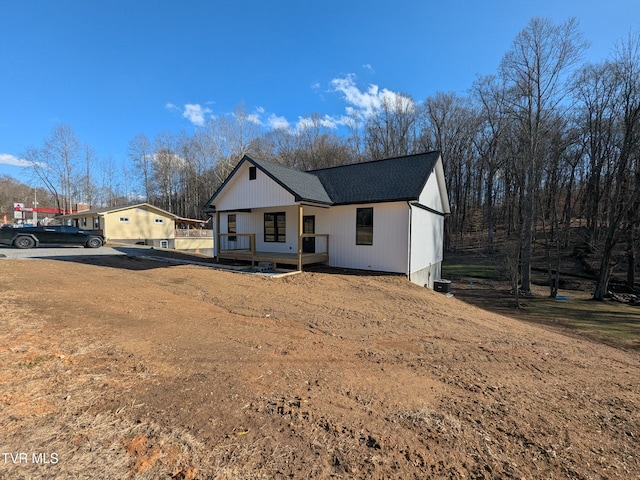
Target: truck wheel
24,242
94,242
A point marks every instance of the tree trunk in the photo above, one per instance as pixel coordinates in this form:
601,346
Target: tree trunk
527,243
631,262
602,285
490,211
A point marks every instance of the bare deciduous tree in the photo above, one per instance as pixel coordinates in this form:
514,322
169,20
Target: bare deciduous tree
451,127
536,70
392,131
141,154
57,164
624,193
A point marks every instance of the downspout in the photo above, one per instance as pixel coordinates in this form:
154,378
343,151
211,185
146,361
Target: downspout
300,221
410,243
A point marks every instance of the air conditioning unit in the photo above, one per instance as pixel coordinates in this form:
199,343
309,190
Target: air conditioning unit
442,286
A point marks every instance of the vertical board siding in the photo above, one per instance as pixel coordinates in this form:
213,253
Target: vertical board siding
390,236
427,230
253,222
430,195
241,192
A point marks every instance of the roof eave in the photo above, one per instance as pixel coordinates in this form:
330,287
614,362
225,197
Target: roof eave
389,200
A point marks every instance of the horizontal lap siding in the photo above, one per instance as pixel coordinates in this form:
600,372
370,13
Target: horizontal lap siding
141,225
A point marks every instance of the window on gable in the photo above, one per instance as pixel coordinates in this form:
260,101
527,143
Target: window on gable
252,173
231,226
124,219
364,226
158,220
275,227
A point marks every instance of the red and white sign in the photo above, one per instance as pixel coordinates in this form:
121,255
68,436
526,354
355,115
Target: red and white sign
18,208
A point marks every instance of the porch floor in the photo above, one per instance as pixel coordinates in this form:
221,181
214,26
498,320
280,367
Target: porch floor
275,257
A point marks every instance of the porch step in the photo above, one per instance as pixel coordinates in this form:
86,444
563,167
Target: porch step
263,267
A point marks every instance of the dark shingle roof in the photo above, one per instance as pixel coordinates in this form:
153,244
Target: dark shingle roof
393,179
302,185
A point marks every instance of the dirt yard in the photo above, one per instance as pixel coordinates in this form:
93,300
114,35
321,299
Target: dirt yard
130,368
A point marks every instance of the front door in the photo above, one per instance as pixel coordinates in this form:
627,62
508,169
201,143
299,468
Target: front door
309,226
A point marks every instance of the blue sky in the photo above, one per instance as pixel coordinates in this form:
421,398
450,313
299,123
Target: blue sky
113,69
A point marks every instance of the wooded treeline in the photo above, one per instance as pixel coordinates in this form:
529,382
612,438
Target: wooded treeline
546,148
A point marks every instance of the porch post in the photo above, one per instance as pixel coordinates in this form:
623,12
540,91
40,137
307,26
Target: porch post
216,237
299,237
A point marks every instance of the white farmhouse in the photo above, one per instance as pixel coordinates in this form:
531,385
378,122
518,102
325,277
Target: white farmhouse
384,215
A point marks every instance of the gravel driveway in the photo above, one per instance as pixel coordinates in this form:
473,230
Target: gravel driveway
53,251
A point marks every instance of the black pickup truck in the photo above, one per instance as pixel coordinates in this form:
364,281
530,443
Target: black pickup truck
28,237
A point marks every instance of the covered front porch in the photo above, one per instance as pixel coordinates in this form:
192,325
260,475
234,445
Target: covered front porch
250,254
271,229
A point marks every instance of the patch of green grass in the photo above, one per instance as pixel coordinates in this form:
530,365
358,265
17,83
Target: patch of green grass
609,320
457,270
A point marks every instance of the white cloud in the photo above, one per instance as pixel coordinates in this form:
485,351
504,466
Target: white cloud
276,122
366,103
195,113
254,118
367,66
327,122
7,159
171,106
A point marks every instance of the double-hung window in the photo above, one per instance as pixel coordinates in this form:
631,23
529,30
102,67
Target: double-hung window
275,227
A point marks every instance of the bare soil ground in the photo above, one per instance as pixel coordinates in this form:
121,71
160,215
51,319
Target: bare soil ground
130,368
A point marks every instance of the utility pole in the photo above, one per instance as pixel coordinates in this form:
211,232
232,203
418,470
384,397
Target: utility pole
35,206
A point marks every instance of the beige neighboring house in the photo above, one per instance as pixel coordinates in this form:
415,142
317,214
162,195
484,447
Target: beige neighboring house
144,224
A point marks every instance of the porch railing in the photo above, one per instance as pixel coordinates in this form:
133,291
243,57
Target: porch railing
193,233
322,246
229,242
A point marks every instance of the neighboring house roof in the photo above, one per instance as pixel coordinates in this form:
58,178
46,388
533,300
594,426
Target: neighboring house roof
105,210
393,179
